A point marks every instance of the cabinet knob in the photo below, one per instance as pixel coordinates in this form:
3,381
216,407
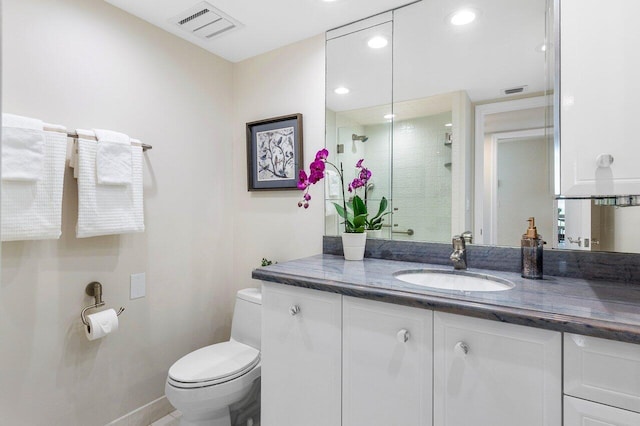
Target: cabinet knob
403,336
294,310
461,348
604,160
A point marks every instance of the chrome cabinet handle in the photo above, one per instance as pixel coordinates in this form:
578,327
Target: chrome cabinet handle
294,310
461,348
403,336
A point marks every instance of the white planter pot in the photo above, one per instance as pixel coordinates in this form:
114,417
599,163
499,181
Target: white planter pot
377,233
353,245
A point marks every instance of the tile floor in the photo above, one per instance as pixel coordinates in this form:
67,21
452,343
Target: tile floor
171,419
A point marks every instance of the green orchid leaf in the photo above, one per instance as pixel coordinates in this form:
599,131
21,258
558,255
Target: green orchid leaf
359,207
383,206
360,220
340,210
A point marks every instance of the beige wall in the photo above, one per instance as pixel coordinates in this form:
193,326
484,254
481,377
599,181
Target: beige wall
270,224
84,63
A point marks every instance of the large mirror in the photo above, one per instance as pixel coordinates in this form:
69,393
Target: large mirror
455,120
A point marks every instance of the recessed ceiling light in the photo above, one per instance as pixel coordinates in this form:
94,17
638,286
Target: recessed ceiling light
463,17
389,116
341,90
377,42
448,125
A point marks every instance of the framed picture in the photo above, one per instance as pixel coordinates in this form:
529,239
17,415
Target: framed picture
274,153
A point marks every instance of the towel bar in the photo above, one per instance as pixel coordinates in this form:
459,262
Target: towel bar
144,146
74,135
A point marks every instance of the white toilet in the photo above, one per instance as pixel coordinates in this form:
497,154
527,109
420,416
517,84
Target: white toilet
205,382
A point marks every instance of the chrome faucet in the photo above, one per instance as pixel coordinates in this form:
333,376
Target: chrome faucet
459,255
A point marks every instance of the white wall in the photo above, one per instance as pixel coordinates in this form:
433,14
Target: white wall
270,224
83,63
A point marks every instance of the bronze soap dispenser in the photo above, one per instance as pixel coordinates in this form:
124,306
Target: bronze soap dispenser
531,252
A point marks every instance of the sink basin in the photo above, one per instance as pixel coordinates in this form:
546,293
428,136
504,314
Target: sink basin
454,280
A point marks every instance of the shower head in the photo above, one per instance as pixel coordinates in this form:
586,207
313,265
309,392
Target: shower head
362,138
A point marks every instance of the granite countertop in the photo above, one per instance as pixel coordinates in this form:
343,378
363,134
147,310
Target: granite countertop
604,309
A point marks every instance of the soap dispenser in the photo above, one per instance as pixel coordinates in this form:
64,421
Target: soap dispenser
531,252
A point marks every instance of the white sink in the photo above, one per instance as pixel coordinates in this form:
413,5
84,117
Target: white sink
454,280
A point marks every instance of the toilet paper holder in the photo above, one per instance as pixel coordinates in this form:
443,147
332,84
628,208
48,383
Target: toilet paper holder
94,289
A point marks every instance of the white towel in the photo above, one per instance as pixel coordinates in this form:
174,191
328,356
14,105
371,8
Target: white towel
22,148
107,209
12,120
22,154
332,184
32,210
113,158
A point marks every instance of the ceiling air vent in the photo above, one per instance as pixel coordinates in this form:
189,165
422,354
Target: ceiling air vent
205,21
514,90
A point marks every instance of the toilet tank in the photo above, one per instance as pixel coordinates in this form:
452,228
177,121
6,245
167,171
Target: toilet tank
247,317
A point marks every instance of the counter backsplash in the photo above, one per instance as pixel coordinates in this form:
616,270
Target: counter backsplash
619,267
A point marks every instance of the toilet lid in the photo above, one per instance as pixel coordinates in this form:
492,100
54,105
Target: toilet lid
214,364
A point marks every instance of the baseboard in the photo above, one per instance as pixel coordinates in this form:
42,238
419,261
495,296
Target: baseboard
145,415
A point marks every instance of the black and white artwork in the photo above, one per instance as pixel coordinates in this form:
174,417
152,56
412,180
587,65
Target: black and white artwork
274,153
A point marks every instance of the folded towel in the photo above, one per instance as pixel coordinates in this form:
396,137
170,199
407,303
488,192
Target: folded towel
111,136
332,181
12,120
22,153
32,210
73,157
107,209
113,158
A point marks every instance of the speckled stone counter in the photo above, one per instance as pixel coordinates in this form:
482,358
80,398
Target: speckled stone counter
606,309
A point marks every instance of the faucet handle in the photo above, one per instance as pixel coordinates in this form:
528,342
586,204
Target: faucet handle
458,242
468,237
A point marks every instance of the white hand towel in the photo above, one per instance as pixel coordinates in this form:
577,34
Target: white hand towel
107,209
113,158
22,147
22,153
333,183
12,120
111,136
32,210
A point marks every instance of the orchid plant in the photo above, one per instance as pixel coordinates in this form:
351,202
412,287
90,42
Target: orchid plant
353,212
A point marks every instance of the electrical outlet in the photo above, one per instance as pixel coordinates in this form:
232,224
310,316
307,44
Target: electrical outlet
138,286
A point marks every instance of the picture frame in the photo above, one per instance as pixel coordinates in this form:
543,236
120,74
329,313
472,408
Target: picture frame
274,153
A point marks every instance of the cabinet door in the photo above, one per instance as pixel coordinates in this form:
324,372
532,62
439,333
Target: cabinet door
578,412
387,364
301,356
488,373
599,89
602,370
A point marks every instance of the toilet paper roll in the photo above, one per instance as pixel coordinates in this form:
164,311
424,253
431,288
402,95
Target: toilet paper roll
101,323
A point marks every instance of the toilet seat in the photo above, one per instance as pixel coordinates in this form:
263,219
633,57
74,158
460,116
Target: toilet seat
213,365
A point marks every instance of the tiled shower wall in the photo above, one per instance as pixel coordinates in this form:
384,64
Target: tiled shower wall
422,178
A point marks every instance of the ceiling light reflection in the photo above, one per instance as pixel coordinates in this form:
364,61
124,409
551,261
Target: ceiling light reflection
463,17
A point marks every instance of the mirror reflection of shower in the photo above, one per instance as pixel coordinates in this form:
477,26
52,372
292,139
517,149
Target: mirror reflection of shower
354,138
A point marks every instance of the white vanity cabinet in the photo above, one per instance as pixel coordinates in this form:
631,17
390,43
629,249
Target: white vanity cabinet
488,373
601,382
301,356
387,364
598,105
578,412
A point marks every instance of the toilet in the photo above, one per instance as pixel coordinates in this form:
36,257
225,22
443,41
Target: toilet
203,383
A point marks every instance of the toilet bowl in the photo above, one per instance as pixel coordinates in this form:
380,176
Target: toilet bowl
203,383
